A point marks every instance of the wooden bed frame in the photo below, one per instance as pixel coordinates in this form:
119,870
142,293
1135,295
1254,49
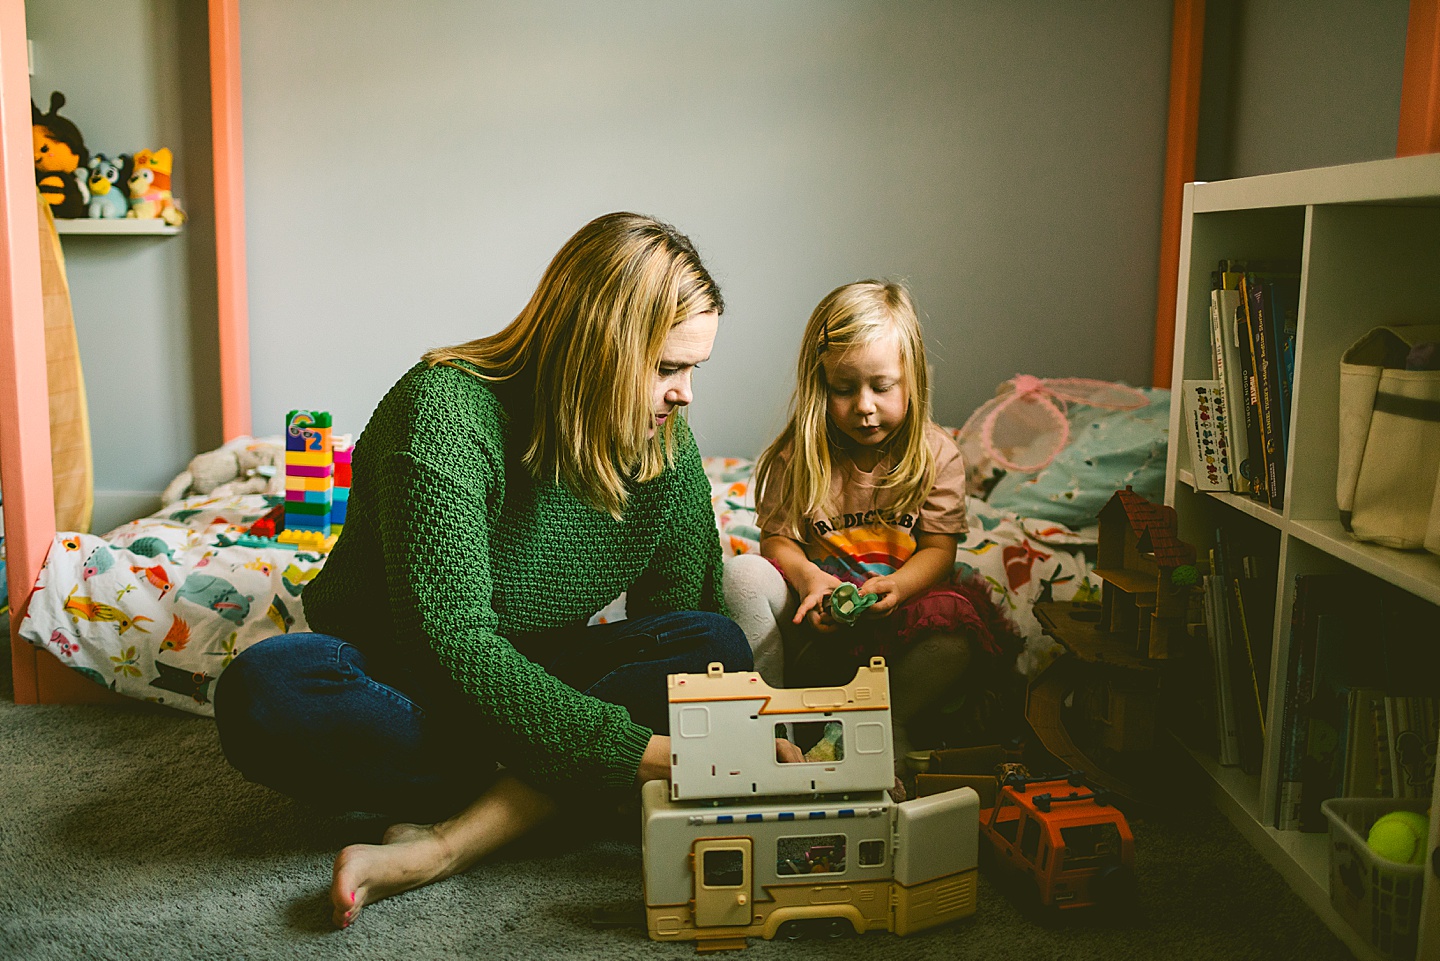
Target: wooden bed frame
24,406
24,410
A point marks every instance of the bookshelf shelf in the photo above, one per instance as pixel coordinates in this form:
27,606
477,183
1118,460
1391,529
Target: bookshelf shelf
1366,237
1415,571
120,227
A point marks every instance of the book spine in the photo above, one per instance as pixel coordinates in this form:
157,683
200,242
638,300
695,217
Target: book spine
1204,409
1234,380
1384,785
1259,470
1285,313
1266,385
1229,748
1292,744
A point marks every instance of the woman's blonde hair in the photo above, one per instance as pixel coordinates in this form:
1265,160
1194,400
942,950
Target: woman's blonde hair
851,316
590,339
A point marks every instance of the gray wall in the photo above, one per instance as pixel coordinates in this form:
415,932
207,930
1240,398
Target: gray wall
1292,84
411,168
409,176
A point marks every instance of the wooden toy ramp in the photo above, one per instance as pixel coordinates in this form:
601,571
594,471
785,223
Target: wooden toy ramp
1044,703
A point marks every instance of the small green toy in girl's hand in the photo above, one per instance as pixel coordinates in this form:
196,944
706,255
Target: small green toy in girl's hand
847,603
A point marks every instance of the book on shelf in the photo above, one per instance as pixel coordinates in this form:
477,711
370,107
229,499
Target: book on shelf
1361,708
1225,365
1227,731
1283,293
1203,406
1314,729
1246,632
1258,289
1367,762
1257,467
1299,686
1322,766
1411,725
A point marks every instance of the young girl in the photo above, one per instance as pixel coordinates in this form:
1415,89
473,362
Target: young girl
863,487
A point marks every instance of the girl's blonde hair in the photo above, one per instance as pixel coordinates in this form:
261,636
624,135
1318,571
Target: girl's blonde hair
851,316
590,339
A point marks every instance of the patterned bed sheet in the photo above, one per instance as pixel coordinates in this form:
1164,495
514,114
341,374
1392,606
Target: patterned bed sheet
157,608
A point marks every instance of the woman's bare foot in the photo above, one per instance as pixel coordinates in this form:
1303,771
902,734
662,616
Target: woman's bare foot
413,855
409,856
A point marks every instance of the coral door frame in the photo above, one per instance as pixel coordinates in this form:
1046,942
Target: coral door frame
25,472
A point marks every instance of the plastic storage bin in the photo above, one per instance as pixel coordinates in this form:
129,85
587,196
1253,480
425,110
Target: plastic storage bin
1377,897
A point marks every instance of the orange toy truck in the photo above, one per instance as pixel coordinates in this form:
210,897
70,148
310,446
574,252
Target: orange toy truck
1063,840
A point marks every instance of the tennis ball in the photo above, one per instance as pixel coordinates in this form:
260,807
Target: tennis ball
1400,836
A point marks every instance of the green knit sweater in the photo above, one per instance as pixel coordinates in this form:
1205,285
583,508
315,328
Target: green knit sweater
450,544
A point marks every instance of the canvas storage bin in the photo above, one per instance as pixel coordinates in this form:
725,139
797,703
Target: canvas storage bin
1388,482
1380,899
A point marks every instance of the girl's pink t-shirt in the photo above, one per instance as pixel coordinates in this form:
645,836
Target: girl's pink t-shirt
853,538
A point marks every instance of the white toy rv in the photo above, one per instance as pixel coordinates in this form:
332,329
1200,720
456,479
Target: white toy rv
742,844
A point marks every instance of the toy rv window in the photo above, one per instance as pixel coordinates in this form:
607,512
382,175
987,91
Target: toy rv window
1030,840
872,853
724,868
1090,843
811,854
822,742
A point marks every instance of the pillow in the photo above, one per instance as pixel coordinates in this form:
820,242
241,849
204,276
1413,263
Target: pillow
1108,451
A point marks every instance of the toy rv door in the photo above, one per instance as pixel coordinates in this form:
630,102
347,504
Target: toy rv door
723,871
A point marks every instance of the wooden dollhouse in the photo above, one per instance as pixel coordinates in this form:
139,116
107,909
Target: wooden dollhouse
1142,598
1113,668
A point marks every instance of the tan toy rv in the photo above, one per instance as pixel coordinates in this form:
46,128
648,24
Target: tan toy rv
740,843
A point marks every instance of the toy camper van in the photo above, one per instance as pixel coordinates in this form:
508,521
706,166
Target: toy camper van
741,843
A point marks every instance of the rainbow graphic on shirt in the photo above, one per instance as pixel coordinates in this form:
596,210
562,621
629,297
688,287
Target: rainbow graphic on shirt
864,548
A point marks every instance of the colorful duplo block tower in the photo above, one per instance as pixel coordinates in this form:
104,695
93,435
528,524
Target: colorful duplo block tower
309,479
340,495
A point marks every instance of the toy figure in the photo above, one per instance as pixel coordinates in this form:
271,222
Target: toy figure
109,180
59,154
150,196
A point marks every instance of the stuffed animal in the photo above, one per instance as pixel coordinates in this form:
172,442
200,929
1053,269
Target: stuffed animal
150,195
60,159
256,468
109,181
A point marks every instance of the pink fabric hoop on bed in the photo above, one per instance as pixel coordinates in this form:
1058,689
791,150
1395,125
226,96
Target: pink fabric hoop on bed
1024,425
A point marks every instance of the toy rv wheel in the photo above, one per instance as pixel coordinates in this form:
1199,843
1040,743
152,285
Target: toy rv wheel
792,930
1115,888
836,928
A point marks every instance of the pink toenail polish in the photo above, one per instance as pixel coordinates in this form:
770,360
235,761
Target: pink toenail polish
352,897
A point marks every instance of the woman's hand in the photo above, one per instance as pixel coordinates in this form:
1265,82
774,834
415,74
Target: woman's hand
787,752
655,762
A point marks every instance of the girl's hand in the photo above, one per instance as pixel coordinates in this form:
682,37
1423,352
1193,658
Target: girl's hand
814,606
888,592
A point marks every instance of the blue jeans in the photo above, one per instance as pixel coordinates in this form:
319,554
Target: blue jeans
310,716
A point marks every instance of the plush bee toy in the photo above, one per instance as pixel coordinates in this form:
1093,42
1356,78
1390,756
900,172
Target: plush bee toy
60,160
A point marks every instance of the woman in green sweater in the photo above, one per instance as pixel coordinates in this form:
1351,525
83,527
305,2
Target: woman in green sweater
503,492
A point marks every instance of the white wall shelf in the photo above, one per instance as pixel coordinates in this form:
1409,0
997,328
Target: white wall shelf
1367,238
119,226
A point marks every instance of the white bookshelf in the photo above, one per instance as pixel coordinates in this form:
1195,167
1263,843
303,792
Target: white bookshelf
1367,237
